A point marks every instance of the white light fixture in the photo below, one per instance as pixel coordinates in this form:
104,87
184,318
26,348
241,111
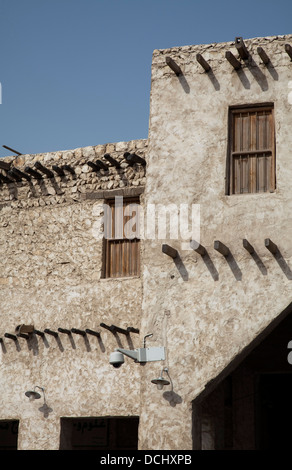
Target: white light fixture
160,382
33,395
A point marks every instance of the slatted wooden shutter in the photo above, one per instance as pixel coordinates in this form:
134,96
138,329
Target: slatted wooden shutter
252,157
122,250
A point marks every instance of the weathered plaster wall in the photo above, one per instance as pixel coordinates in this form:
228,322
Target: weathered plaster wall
50,276
206,311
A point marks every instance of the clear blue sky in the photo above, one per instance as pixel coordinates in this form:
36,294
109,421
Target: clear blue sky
77,72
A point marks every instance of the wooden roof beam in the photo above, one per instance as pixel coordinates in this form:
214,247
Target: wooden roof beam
173,65
265,58
196,246
44,170
203,62
111,160
219,246
247,246
271,246
33,173
168,250
241,47
232,60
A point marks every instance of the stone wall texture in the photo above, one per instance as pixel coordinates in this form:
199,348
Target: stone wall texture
50,277
207,310
204,311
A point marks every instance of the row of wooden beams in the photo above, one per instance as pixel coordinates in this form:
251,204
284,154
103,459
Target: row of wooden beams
26,333
55,334
14,174
236,64
218,246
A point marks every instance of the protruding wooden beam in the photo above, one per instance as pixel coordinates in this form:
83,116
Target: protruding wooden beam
112,160
271,246
196,246
101,165
203,62
11,150
5,179
241,47
10,336
168,250
117,329
58,170
33,173
91,332
50,332
132,158
173,65
288,49
93,166
232,60
20,174
22,335
4,165
78,332
247,246
14,175
44,170
107,327
64,330
39,333
69,169
219,246
265,58
131,329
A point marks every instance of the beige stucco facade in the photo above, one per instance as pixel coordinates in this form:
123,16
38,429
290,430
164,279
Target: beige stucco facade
205,311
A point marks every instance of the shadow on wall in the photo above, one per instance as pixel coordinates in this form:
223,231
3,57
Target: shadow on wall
172,397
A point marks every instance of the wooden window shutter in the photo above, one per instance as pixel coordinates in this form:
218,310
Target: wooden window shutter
121,248
252,150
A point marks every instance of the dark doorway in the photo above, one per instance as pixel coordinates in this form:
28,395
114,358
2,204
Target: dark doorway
8,434
251,408
274,411
119,433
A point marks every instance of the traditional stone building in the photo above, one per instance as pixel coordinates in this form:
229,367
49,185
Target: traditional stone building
219,139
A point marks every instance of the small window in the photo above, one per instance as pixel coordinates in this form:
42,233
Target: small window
121,238
251,163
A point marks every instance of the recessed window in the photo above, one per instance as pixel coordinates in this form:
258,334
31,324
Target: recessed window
251,162
121,238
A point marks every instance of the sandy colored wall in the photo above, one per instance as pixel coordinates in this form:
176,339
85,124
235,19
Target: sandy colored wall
207,310
50,276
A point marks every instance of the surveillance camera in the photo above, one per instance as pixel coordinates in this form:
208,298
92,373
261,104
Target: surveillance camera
116,359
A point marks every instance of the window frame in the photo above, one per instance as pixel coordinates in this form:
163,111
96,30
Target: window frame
236,109
109,241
